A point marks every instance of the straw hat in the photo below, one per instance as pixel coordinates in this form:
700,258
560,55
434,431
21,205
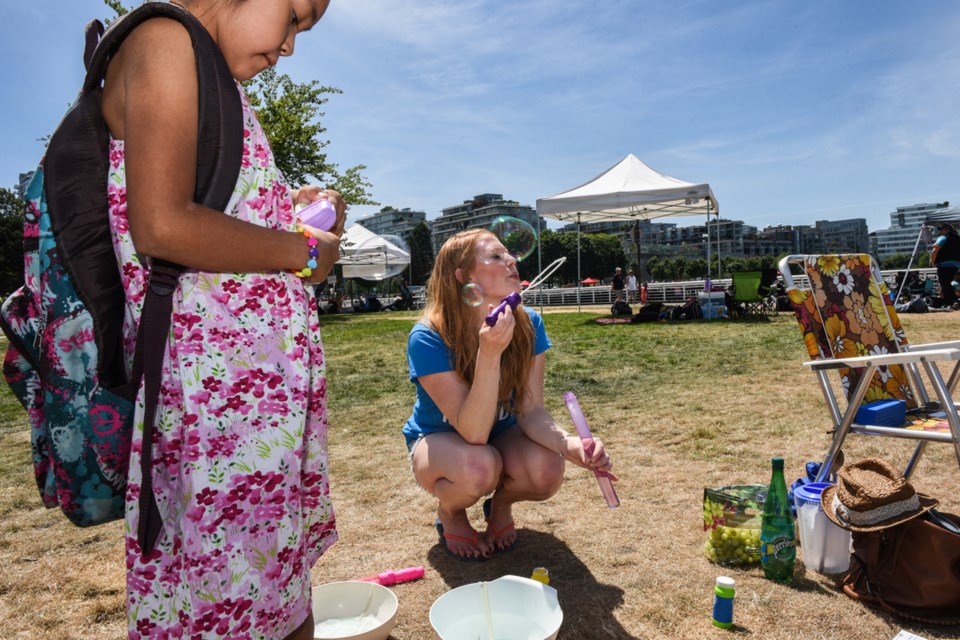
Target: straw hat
871,495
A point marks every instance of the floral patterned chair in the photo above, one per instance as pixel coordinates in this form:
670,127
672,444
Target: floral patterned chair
849,326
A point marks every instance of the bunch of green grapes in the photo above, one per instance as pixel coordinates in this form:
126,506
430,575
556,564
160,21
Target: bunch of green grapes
729,546
712,514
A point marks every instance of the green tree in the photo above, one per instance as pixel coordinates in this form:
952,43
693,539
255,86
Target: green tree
11,241
673,269
289,113
553,245
420,240
736,264
653,266
696,269
117,7
896,261
662,269
600,254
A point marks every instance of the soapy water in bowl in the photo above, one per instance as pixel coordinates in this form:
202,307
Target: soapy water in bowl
508,626
345,627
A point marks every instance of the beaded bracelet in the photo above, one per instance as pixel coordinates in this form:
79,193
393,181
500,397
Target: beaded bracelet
312,260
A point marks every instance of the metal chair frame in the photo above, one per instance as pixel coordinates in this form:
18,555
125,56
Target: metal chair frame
913,358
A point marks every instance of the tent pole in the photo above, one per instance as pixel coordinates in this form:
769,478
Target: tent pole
539,261
579,277
709,273
719,255
636,239
909,264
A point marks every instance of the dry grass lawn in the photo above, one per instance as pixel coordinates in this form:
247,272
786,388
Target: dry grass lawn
681,406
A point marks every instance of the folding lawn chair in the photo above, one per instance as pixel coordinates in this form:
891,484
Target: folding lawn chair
849,325
746,294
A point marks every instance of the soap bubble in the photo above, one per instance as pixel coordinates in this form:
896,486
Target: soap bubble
517,236
378,258
472,294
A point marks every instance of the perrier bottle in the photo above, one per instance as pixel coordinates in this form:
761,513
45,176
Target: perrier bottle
778,544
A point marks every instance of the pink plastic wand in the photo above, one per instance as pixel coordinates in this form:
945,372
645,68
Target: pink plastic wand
390,578
606,485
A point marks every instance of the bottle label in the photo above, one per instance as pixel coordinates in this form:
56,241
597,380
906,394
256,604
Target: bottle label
782,547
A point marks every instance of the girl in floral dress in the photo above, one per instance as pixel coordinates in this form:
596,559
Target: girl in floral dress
239,459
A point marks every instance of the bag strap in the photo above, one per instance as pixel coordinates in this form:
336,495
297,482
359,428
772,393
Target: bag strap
219,155
148,364
91,36
220,125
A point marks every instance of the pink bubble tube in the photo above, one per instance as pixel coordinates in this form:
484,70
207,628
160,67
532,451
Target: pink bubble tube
606,484
319,214
390,578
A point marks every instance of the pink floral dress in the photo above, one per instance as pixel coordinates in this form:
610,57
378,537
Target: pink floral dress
240,463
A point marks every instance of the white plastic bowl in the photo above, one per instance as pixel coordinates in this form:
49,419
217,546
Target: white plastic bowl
519,608
354,611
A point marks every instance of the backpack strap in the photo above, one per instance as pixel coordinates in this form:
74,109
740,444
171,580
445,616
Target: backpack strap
220,126
91,36
83,231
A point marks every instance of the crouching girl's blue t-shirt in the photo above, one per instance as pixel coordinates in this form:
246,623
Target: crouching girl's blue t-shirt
427,354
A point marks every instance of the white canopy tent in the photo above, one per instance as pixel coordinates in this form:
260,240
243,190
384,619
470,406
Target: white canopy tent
629,190
369,256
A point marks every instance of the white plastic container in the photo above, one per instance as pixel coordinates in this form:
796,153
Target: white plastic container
824,547
519,608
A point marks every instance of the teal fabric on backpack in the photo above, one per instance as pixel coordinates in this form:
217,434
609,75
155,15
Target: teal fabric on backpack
79,429
65,362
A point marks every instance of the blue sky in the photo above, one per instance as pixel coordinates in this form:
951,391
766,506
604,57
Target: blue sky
792,111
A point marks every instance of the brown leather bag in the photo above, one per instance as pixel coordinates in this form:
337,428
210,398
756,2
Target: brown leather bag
911,570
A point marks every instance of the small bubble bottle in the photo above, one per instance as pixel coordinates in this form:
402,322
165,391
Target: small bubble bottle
778,544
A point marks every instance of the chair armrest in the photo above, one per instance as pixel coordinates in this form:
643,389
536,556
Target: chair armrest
884,360
953,344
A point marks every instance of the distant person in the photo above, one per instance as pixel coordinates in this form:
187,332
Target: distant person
334,305
479,426
945,256
632,291
617,286
644,293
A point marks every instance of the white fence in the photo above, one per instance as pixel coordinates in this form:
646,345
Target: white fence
666,292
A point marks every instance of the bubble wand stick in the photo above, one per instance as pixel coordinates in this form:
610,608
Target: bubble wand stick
515,299
606,485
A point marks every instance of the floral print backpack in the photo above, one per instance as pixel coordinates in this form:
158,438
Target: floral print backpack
65,361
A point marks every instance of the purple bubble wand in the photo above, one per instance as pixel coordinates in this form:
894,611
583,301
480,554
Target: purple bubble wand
603,479
514,299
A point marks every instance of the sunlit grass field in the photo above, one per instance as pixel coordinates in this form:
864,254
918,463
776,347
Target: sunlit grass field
682,406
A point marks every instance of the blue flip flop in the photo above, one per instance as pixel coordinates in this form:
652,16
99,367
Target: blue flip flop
475,541
498,533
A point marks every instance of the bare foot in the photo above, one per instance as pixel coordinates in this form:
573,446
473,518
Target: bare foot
460,538
501,532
